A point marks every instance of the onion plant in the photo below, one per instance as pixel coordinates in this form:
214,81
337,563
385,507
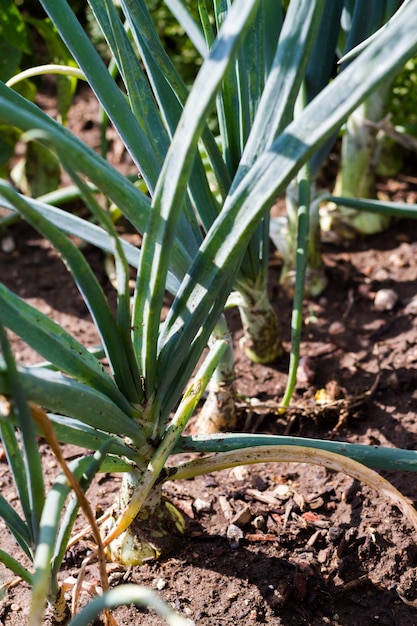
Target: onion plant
157,369
237,104
359,154
345,24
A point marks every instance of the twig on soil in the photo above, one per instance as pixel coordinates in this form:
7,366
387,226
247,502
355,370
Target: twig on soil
344,405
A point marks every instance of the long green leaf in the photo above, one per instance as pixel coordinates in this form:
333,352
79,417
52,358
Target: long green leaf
17,527
16,567
181,11
54,344
110,97
91,466
229,110
32,464
47,547
65,396
296,39
17,466
116,337
378,457
366,18
301,257
395,209
128,594
140,96
170,92
17,111
78,433
276,108
321,67
134,204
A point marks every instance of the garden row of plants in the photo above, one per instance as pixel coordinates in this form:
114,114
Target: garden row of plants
258,121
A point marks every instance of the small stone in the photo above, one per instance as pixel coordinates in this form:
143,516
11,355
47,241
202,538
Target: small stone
337,328
381,274
161,584
385,299
239,473
234,535
334,533
317,502
8,245
283,492
201,506
305,372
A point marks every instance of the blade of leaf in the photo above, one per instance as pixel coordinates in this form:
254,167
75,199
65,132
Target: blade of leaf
288,69
170,92
49,528
125,366
110,96
141,100
17,527
17,111
16,567
168,86
17,467
289,65
65,396
29,445
396,209
80,434
55,344
378,457
128,594
180,10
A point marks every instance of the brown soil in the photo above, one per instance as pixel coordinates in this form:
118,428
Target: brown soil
316,547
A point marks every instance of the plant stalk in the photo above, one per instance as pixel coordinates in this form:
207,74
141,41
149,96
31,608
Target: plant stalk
219,410
139,496
261,341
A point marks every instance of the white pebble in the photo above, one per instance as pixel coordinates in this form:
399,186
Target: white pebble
8,245
201,505
283,492
234,535
385,299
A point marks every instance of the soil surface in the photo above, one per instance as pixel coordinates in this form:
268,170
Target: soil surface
278,544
